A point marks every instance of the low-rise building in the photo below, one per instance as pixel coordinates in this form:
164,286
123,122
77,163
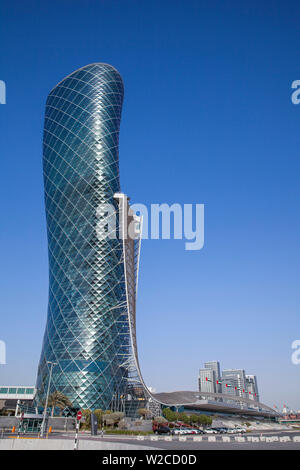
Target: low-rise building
10,395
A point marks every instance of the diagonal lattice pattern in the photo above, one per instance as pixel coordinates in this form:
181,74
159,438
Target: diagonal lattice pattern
87,331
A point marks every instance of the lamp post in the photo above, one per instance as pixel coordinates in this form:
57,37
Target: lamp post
47,397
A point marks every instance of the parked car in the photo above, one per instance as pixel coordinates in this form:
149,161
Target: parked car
199,431
236,430
231,431
177,432
240,429
163,430
223,430
186,430
192,431
220,430
210,431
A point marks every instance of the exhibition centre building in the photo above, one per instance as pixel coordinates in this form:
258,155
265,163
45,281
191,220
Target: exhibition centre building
215,403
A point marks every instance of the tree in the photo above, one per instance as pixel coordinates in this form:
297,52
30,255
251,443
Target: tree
204,420
183,417
159,419
194,419
99,414
86,422
170,415
118,415
144,412
58,400
112,418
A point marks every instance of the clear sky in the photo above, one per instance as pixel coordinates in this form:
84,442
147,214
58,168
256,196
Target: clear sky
207,118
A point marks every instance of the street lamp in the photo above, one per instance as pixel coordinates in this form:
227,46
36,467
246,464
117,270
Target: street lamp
47,397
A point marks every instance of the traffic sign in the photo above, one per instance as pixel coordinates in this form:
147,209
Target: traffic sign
79,415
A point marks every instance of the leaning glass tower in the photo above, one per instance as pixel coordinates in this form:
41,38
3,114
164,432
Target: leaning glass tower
90,330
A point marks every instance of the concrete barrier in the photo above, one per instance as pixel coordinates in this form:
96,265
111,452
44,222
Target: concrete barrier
225,438
153,438
197,438
7,422
239,439
255,439
140,438
57,423
285,439
182,438
168,438
211,439
296,438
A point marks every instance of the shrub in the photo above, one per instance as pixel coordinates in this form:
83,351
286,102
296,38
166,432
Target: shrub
160,419
86,421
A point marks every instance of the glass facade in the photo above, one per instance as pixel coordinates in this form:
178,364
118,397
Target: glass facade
17,391
87,332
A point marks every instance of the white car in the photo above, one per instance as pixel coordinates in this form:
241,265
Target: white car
178,432
210,431
231,430
237,430
186,430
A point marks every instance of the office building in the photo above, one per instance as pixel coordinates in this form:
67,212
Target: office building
252,388
235,379
89,346
215,366
11,395
207,380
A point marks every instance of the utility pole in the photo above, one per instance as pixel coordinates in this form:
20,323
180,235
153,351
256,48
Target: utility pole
78,418
47,397
17,407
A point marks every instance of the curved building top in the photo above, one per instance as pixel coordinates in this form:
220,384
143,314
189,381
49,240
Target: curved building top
81,133
99,66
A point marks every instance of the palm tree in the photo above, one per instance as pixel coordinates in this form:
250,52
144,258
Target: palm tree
58,399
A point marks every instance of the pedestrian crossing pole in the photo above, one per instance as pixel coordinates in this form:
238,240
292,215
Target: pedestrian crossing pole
78,418
20,424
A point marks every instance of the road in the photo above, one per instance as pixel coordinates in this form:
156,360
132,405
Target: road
189,444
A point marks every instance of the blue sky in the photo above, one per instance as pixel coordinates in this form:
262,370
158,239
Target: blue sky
207,118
